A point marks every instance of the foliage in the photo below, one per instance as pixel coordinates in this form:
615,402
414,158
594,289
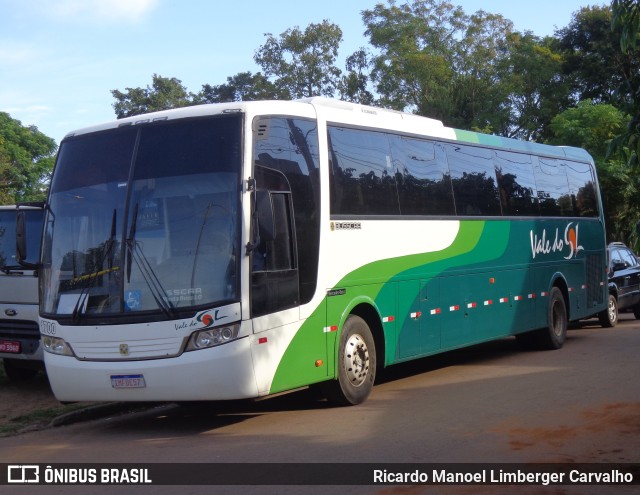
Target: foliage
592,126
26,161
414,68
302,63
164,93
626,16
626,19
470,71
593,64
535,90
244,86
354,86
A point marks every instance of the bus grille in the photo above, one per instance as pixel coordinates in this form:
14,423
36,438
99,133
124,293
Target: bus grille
19,329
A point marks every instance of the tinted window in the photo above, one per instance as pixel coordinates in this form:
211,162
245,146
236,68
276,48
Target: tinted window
178,184
97,160
474,180
33,227
424,182
288,148
553,188
362,174
628,257
582,188
188,149
516,183
616,257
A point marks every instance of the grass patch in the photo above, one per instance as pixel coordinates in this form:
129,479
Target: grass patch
35,420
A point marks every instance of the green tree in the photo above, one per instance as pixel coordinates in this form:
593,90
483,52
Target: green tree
26,161
626,22
533,86
244,86
592,126
470,71
354,85
593,61
164,93
416,45
478,88
302,63
626,17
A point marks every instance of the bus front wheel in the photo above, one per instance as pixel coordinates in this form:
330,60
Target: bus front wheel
356,365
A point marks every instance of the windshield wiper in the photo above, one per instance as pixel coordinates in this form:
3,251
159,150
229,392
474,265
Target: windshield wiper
15,269
89,279
135,253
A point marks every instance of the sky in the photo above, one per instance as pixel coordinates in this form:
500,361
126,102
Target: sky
60,59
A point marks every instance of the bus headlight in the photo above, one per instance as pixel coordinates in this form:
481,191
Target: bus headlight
212,337
56,345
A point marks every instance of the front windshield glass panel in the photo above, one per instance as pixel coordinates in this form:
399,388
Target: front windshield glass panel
33,226
144,219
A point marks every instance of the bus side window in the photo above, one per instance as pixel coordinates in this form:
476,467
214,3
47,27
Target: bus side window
473,176
276,253
516,183
286,164
553,188
583,189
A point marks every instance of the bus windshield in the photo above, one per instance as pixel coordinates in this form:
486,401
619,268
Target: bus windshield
144,219
8,237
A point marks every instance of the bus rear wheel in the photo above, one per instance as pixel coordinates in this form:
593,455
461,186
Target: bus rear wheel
555,333
356,365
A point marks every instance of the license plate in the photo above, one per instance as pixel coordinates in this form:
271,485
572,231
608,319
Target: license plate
128,381
10,346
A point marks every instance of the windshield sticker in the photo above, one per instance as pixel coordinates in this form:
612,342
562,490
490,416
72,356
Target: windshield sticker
183,295
544,245
132,300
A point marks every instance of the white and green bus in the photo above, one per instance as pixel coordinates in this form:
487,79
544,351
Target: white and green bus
240,250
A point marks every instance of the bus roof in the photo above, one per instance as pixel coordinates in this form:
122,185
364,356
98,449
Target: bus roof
339,111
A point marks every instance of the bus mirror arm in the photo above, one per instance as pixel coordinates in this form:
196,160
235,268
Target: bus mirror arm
21,242
263,228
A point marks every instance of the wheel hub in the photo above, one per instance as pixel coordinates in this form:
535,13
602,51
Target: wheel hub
356,359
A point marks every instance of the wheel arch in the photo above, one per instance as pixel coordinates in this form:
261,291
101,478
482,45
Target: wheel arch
372,317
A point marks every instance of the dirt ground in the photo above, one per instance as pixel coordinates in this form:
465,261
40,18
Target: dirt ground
27,404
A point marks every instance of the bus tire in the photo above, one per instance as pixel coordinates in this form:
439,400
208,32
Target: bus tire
609,317
356,365
555,333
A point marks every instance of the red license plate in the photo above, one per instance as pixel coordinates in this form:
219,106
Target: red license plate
10,346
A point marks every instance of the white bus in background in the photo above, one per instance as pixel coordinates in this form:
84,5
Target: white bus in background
20,349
